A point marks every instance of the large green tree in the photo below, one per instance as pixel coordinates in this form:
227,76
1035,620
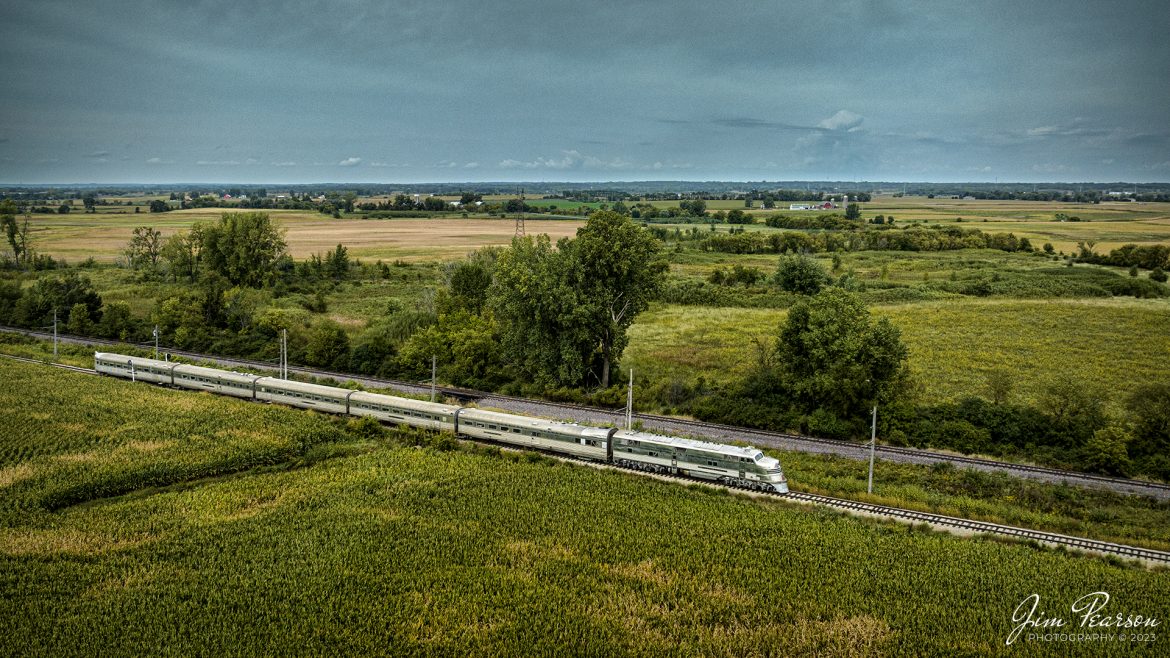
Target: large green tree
1149,408
563,314
16,232
328,346
468,281
832,355
244,248
618,267
182,253
144,249
541,316
60,293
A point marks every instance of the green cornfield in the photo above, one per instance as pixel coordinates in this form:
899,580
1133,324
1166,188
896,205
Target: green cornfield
141,521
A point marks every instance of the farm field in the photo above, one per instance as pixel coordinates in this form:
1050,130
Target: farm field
358,545
103,237
1111,344
1109,224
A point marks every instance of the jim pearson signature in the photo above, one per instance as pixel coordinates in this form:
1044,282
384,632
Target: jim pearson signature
1089,611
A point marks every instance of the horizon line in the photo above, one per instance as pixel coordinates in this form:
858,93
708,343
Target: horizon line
585,182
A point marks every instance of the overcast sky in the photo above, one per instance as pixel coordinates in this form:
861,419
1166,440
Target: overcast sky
458,90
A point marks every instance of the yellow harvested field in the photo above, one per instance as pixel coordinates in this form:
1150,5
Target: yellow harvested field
77,237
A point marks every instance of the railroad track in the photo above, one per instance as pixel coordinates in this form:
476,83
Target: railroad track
716,431
939,520
1051,538
25,359
853,506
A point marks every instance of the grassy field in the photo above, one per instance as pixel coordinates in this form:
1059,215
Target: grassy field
1111,344
76,237
372,547
103,236
1108,224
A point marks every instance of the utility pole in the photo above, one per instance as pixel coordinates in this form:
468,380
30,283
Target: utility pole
156,342
434,370
284,353
54,334
630,403
872,447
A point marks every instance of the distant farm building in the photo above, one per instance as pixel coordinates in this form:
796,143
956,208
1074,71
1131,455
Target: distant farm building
828,205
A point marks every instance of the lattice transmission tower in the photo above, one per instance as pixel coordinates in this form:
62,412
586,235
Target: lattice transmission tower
520,216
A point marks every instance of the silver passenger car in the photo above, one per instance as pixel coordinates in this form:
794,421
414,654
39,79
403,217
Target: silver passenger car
526,432
224,382
134,368
393,409
306,396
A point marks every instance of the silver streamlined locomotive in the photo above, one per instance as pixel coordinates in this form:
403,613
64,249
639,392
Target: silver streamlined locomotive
731,465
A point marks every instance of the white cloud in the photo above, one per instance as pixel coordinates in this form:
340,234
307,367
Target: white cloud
571,159
159,161
471,165
217,163
350,162
669,164
286,163
1042,131
842,120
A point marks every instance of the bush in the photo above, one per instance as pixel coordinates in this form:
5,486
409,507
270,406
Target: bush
801,275
824,423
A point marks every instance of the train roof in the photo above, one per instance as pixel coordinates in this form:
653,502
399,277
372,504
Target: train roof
216,372
403,403
690,444
136,360
303,387
572,429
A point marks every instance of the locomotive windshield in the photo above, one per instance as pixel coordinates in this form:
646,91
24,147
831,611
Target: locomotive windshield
758,456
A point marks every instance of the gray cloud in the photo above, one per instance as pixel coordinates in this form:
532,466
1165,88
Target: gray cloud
873,89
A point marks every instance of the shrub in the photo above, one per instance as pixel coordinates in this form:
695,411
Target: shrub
800,274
